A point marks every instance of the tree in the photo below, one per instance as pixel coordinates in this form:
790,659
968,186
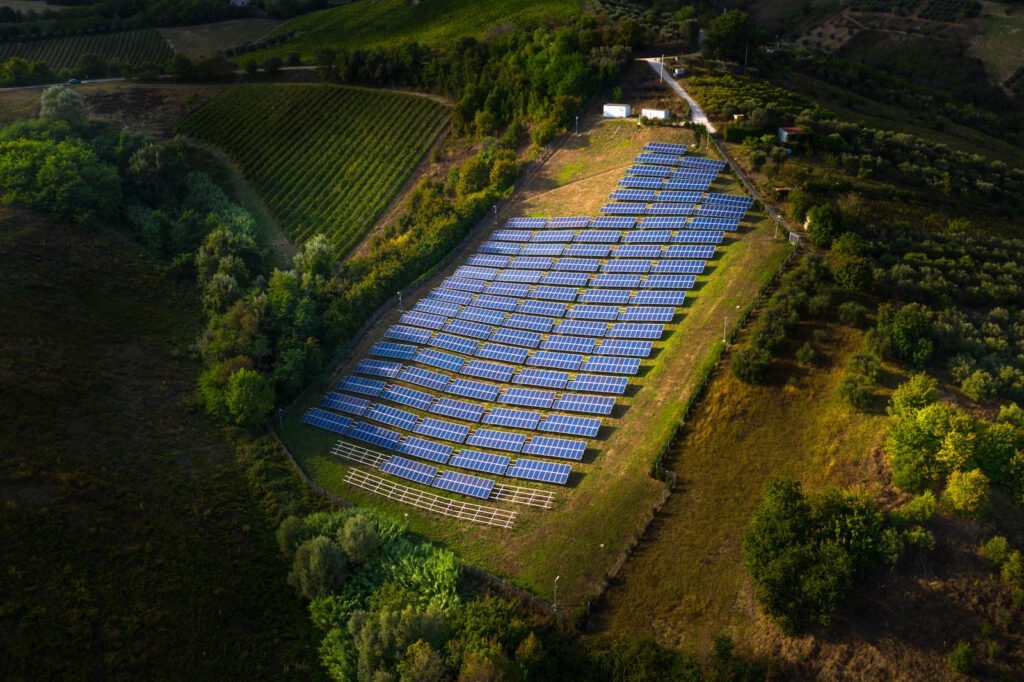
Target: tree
751,364
62,103
980,386
473,176
856,390
422,663
966,493
286,534
318,568
272,64
315,260
249,397
729,35
823,224
853,273
917,392
359,539
905,334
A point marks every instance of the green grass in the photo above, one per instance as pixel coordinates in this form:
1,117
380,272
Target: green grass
326,159
132,545
133,47
369,23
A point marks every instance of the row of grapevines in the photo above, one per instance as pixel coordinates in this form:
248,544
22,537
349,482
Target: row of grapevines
133,47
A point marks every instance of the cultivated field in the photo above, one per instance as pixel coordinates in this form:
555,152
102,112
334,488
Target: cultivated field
132,47
326,159
206,39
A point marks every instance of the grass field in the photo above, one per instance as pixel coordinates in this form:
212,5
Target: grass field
598,516
326,159
999,41
204,40
388,22
133,47
133,547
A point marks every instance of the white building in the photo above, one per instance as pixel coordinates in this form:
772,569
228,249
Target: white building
616,111
657,114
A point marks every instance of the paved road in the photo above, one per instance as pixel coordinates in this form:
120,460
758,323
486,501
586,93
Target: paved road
696,112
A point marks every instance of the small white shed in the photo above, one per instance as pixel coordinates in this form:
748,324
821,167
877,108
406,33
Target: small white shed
657,114
616,111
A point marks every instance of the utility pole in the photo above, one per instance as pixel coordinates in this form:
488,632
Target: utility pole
495,214
554,595
577,125
400,308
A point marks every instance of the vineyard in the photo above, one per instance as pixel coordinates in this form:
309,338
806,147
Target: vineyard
131,47
326,159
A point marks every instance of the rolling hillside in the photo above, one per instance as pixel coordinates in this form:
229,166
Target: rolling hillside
132,47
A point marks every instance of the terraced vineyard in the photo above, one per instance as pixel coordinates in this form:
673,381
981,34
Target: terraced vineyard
133,47
326,159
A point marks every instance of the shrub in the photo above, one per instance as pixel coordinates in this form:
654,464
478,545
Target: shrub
866,365
62,103
966,493
961,658
1012,571
905,334
980,386
287,534
917,392
806,354
359,539
822,224
750,364
996,550
852,313
249,397
855,390
318,568
853,273
918,510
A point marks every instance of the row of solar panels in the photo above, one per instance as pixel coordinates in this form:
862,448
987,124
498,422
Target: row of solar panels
685,173
638,209
656,244
682,225
655,196
618,264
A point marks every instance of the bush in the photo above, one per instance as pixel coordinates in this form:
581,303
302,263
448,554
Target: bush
249,397
966,493
806,354
996,550
866,365
961,658
318,568
750,364
852,313
286,535
917,392
62,103
359,539
823,224
980,386
918,510
1012,572
856,390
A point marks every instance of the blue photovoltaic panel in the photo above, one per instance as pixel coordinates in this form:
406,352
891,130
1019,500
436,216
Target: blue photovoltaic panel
497,440
516,337
507,289
464,484
733,199
588,250
698,237
488,370
375,435
632,330
648,237
637,251
589,404
499,351
322,419
553,236
555,360
528,276
638,182
511,235
727,224
474,272
609,364
663,159
392,416
460,409
464,284
625,348
668,282
616,281
409,470
345,403
436,358
721,211
490,261
541,377
550,293
694,174
624,208
439,428
545,472
424,377
517,419
634,313
626,265
451,296
546,446
613,222
528,223
471,329
578,264
594,312
582,328
569,221
682,183
402,351
570,344
529,322
425,449
496,302
527,397
542,250
504,248
361,385
408,396
669,209
679,197
702,162
433,306
378,368
604,296
454,343
473,389
598,383
569,279
481,315
698,251
403,333
548,308
598,236
662,223
531,263
642,195
649,171
693,267
480,461
427,320
572,426
665,148
674,298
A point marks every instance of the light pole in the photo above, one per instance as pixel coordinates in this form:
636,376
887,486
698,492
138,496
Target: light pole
407,522
577,125
554,596
400,308
495,214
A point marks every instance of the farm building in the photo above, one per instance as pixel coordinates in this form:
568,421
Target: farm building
657,114
616,110
679,73
790,134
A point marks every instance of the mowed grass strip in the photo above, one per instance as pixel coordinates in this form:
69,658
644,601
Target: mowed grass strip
326,159
134,47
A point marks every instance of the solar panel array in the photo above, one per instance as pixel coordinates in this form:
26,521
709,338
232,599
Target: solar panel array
524,350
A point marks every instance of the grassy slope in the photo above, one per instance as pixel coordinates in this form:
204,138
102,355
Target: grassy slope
999,41
609,502
206,39
367,23
132,546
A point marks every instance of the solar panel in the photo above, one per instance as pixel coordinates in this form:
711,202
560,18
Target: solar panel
548,308
546,358
693,267
632,330
698,251
424,377
682,183
695,174
624,208
481,315
465,284
378,368
439,428
641,182
474,272
488,370
345,403
488,261
569,221
599,236
417,472
668,282
425,449
542,250
613,222
499,351
590,404
571,344
649,171
673,298
701,162
430,305
529,322
546,446
408,396
403,333
553,236
647,237
508,289
473,389
637,251
516,337
531,263
680,197
642,195
497,440
392,416
529,223
624,347
616,281
665,148
610,364
588,250
626,265
459,409
511,235
541,377
664,159
662,223
647,314
419,319
604,296
669,209
551,293
504,248
581,328
597,383
480,461
464,484
460,297
361,385
569,279
454,343
721,211
572,426
593,312
528,276
517,419
402,351
545,472
527,397
472,329
698,237
496,302
322,419
436,358
577,264
730,199
374,435
726,224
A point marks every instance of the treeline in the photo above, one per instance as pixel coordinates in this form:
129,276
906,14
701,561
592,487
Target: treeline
17,71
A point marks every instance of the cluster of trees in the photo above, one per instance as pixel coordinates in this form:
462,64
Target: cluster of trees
17,71
805,553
